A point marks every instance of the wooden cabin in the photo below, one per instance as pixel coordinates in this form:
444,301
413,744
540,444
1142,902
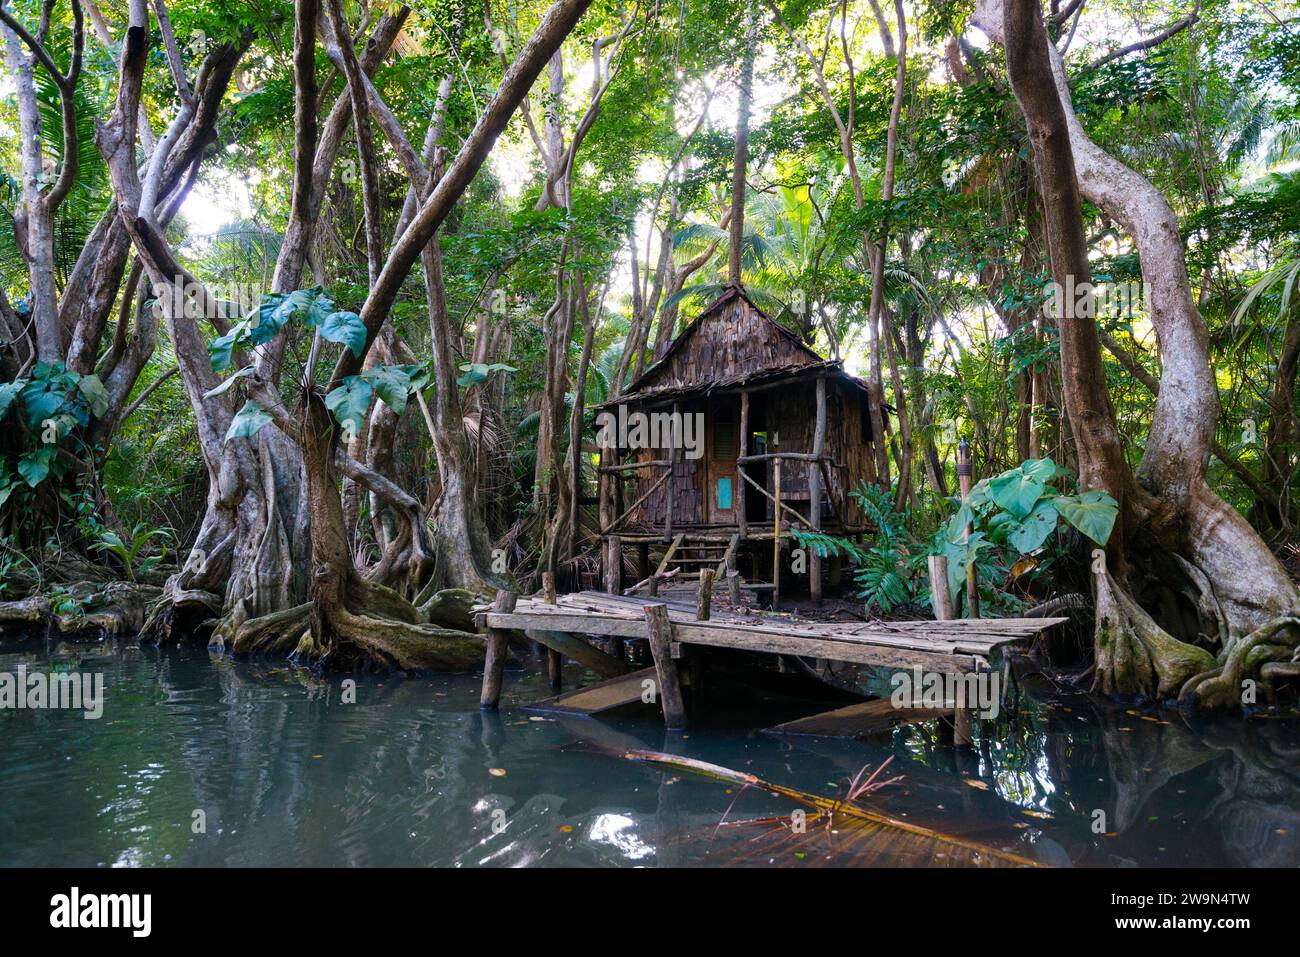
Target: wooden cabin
745,433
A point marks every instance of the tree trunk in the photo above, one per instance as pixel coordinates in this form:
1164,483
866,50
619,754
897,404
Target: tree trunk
1236,578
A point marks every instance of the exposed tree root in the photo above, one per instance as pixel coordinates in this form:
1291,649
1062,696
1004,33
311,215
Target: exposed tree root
374,626
1134,655
84,608
1223,687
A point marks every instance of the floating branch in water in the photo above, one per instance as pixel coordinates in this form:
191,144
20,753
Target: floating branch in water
852,835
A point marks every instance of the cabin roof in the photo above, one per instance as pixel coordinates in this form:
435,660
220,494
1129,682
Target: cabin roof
799,360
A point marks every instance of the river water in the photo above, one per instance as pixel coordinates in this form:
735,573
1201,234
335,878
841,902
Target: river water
203,761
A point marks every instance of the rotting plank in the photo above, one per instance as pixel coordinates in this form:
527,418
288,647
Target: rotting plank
602,696
859,720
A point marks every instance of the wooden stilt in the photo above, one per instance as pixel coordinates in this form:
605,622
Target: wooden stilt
554,662
494,664
704,597
961,734
660,633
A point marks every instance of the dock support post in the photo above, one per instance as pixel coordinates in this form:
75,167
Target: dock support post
494,663
660,632
962,736
704,597
815,492
554,662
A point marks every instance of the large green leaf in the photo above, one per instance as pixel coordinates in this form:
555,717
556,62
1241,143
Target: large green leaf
476,372
42,398
222,349
349,403
95,393
391,383
345,328
1029,534
8,392
227,384
248,421
1092,513
1016,491
961,555
35,466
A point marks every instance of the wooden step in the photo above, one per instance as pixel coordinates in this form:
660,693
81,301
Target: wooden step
602,696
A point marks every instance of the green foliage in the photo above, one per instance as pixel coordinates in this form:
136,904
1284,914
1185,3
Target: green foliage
131,553
1013,514
476,372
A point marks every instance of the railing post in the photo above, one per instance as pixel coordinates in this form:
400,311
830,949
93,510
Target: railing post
815,492
738,499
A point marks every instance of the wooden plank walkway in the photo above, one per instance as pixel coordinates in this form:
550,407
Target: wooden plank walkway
956,646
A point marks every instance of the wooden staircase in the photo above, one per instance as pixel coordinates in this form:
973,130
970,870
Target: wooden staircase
686,555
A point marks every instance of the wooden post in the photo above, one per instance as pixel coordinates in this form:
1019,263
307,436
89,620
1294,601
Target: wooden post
554,663
964,478
660,632
494,663
606,514
815,492
674,442
613,564
742,445
940,596
776,534
943,611
704,597
733,578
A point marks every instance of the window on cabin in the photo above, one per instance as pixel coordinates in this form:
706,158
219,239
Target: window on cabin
725,444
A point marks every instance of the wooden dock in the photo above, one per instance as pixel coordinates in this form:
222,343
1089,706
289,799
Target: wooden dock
956,646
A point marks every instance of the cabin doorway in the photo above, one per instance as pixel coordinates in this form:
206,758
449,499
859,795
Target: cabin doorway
722,448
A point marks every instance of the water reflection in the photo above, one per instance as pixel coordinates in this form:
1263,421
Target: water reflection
413,774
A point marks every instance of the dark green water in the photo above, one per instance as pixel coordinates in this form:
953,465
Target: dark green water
288,774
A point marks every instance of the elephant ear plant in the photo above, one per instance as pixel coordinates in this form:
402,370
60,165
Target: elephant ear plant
1014,514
